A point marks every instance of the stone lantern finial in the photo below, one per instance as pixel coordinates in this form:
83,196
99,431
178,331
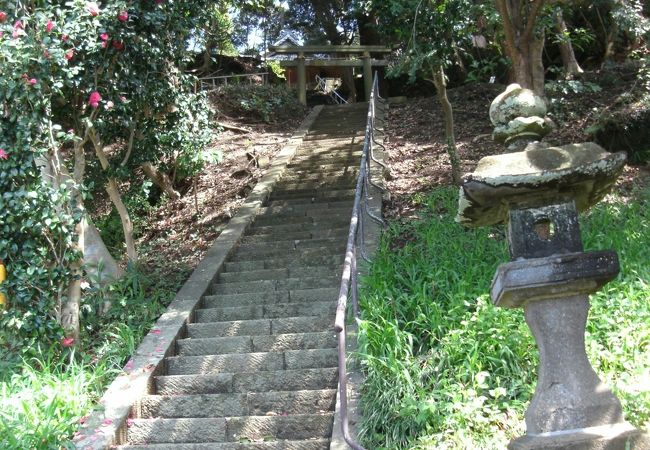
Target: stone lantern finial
519,118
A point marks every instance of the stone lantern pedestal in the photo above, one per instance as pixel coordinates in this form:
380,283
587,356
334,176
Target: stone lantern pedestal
538,193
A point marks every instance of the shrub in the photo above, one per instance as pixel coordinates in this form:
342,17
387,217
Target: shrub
266,102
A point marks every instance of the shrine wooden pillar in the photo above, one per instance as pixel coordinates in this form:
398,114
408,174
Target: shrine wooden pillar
302,79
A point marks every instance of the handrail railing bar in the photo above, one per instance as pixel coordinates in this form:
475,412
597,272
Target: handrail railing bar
354,288
349,277
369,180
372,153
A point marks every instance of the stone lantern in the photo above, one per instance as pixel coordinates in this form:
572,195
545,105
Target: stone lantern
538,193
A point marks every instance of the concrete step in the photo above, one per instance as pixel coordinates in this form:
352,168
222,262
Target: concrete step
247,362
309,444
300,324
286,284
255,344
298,254
229,429
238,404
277,274
331,157
334,145
333,261
311,294
352,171
317,210
326,167
289,244
331,217
329,177
349,183
338,232
256,312
325,134
307,203
314,227
243,382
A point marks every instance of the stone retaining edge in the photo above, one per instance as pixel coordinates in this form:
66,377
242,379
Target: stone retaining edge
106,425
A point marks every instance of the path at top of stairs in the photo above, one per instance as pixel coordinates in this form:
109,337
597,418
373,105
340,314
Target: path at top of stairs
257,368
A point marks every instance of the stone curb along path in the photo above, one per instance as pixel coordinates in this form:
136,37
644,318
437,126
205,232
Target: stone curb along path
106,425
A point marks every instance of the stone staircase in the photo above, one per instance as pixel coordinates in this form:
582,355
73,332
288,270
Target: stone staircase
257,367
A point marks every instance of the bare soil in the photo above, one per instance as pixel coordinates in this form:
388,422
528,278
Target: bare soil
176,234
416,143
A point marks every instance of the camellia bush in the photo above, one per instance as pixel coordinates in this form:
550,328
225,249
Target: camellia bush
83,80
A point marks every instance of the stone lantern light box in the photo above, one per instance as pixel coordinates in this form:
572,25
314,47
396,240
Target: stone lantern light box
538,191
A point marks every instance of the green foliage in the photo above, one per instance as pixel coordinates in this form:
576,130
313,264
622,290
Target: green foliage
43,399
68,71
277,69
446,369
267,102
42,403
427,31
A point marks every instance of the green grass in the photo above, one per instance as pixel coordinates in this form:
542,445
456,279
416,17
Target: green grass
43,398
41,404
447,370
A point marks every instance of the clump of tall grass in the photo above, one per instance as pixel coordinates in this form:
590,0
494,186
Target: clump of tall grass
41,404
446,369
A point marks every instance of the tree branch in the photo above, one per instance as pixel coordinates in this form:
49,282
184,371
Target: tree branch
530,20
508,27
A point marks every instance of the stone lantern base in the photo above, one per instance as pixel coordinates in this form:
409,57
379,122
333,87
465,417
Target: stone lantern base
620,436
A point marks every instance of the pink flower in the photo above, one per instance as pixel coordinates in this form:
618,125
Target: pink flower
129,422
69,54
3,16
92,8
32,81
65,37
94,99
107,422
3,154
122,99
67,342
123,16
104,44
118,45
103,36
109,105
49,26
18,29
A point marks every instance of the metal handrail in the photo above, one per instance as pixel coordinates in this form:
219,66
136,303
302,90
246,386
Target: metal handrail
348,279
213,82
321,85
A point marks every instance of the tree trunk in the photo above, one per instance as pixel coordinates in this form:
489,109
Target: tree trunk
161,180
522,45
569,61
114,193
348,82
97,260
448,112
207,61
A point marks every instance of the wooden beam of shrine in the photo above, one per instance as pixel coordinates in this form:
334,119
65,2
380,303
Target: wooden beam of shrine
334,63
346,49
